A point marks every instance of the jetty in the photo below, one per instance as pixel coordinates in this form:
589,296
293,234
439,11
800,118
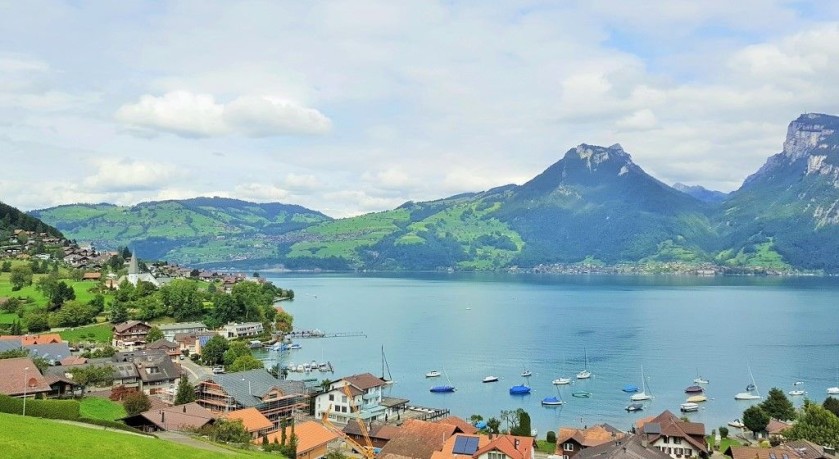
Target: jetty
319,334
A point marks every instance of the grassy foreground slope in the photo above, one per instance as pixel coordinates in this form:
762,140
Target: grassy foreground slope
26,437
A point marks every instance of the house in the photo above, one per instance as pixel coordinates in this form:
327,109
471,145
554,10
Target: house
240,330
379,433
461,424
21,378
181,417
52,352
253,421
461,446
313,439
799,449
675,437
276,399
193,342
173,350
632,447
92,276
62,386
570,441
130,335
776,428
155,370
366,392
124,373
507,447
417,439
171,330
28,340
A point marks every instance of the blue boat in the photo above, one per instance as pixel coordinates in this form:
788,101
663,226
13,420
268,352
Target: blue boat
630,388
552,401
443,388
520,389
481,425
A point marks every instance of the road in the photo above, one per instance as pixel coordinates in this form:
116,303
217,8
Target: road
196,372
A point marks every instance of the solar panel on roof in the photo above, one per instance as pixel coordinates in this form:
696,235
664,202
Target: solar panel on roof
465,445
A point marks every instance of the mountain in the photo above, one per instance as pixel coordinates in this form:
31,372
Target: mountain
701,193
193,231
11,219
791,205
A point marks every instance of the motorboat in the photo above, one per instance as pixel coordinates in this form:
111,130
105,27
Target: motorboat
433,374
581,394
797,392
694,390
295,346
520,389
634,407
552,401
561,381
697,398
736,423
630,388
255,344
442,389
689,407
833,390
490,379
699,379
526,374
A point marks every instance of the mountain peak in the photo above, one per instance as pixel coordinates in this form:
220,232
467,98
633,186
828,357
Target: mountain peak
809,132
595,155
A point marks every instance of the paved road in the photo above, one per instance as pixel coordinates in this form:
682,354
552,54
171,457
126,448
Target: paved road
196,372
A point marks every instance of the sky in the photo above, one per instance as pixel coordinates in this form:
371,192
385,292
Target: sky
359,106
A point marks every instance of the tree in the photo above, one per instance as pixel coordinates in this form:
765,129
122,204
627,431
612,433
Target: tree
234,351
20,275
755,419
153,335
815,424
14,353
284,321
723,432
212,353
186,393
73,314
36,321
92,375
831,404
245,363
6,266
494,425
182,299
47,285
522,425
136,402
225,431
777,405
550,437
335,454
119,311
97,303
60,294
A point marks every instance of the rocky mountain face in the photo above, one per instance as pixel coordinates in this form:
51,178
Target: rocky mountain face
701,193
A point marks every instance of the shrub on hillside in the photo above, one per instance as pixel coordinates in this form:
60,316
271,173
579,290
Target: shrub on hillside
51,409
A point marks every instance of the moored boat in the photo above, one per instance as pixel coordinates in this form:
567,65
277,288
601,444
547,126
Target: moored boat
632,407
552,401
694,390
630,388
526,374
490,379
697,399
581,394
443,388
737,423
520,389
432,374
688,407
561,381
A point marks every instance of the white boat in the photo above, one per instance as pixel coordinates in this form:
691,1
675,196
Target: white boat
697,399
751,390
835,389
386,376
797,392
490,379
643,395
584,374
699,379
737,423
561,381
432,374
689,407
526,373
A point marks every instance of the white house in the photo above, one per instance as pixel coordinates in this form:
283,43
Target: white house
239,330
365,391
677,438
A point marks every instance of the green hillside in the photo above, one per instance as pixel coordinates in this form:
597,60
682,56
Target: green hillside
12,219
27,437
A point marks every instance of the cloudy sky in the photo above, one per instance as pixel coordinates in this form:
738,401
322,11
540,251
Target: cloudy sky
359,106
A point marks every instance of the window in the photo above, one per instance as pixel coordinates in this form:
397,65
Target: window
677,440
344,399
331,397
568,446
495,455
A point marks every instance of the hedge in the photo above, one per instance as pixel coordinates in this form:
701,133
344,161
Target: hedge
51,409
112,425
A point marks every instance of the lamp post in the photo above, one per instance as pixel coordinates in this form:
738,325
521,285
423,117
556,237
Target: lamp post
25,383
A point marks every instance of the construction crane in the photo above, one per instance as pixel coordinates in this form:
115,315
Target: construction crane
366,451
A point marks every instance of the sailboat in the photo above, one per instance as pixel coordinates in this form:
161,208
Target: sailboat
553,400
751,390
386,376
699,379
798,389
643,395
584,374
444,387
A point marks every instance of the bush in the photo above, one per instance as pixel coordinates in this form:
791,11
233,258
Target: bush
550,437
51,409
723,432
136,402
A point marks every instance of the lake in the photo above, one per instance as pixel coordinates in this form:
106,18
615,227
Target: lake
473,325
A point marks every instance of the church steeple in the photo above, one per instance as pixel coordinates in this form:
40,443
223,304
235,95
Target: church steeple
133,266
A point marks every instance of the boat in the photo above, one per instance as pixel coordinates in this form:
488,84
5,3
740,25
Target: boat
699,379
490,379
561,381
835,389
584,374
643,395
526,373
797,392
632,407
697,398
581,394
295,346
694,390
751,390
798,383
386,376
688,407
520,389
255,344
630,388
432,374
443,387
736,423
555,400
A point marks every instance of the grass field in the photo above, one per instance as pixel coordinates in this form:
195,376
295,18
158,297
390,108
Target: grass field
8,317
101,333
26,437
101,408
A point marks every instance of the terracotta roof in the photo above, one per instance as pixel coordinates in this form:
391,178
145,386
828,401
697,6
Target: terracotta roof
417,439
73,360
778,452
461,424
28,340
251,418
121,328
808,450
511,445
364,381
775,427
627,448
671,426
16,379
310,435
92,276
592,436
448,447
375,430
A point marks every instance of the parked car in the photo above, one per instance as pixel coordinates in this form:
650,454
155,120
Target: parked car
218,370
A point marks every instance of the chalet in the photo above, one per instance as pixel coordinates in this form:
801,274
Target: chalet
417,439
21,378
252,420
799,449
62,386
276,399
130,335
365,391
155,369
186,417
170,330
173,350
632,447
313,439
677,438
570,441
240,330
27,340
92,276
124,373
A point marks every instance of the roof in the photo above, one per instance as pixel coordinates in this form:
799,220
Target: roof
162,343
27,340
627,448
181,417
418,439
21,375
591,436
512,446
801,449
391,402
182,325
52,379
251,418
364,381
671,426
52,351
461,444
157,368
121,328
73,360
775,427
808,450
310,435
10,345
460,423
248,387
92,276
375,430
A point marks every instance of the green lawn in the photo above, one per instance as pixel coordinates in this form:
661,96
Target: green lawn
27,437
101,408
545,447
8,317
102,333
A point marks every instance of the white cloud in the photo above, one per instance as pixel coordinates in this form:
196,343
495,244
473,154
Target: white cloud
260,192
301,182
199,115
114,175
641,120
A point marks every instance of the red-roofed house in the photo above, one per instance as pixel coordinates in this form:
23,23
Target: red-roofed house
674,436
255,422
21,378
417,439
461,424
570,441
508,447
31,340
312,439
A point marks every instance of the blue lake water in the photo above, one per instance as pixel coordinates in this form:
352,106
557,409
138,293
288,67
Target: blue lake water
474,325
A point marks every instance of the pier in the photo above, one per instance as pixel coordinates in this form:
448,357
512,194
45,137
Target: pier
319,334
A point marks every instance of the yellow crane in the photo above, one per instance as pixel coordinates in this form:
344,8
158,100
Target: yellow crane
366,451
